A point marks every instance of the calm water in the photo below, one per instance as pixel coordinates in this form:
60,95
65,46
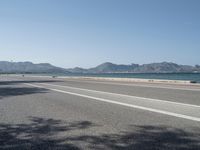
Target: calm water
168,76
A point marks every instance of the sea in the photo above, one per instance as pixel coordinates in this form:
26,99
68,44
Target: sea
194,77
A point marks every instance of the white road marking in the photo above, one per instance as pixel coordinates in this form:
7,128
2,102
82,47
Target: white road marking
123,104
130,96
132,84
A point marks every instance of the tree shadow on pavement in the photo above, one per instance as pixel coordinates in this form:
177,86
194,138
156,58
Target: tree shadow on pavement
145,138
39,134
19,91
43,133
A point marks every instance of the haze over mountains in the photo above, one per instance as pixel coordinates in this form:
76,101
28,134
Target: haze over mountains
29,67
163,67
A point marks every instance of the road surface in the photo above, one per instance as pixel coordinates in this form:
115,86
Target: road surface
47,113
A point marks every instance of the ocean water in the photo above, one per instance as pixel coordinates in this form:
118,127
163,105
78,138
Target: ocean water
167,76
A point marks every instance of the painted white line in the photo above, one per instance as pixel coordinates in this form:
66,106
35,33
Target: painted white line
132,84
130,96
124,104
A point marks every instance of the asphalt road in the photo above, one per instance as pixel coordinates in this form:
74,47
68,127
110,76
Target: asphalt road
46,113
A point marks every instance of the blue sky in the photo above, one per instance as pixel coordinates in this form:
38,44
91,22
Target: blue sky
85,33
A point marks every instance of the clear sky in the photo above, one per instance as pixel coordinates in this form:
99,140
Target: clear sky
85,33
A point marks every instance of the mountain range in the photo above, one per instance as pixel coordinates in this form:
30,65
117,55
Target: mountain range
29,67
163,67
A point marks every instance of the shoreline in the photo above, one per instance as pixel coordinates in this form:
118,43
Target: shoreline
162,81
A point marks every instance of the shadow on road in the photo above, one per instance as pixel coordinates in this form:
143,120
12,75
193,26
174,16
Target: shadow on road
17,91
27,81
9,88
44,134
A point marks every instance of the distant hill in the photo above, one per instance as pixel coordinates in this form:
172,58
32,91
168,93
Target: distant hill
163,67
110,67
78,70
29,67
